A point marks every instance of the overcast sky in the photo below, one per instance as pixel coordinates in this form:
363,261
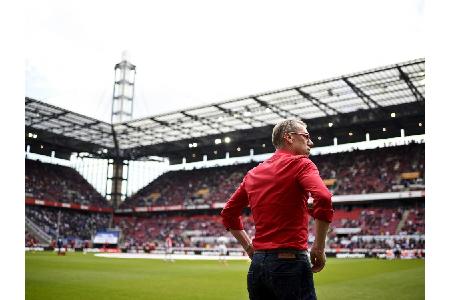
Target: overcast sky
190,53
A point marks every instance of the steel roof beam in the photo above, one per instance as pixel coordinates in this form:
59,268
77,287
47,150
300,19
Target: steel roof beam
277,110
164,123
201,120
364,97
316,102
381,111
230,113
419,97
46,118
176,127
124,135
74,127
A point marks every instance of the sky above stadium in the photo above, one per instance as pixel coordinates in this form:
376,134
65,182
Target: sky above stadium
191,53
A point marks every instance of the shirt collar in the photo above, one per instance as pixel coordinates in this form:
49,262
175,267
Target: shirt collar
280,152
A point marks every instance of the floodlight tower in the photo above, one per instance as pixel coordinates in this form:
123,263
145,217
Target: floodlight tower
123,93
122,110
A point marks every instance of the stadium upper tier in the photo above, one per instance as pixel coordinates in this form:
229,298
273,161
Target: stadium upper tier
60,184
378,170
361,102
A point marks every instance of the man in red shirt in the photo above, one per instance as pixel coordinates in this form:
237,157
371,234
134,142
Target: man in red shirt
277,192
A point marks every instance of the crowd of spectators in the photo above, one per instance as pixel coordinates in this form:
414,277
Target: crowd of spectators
372,221
30,239
415,222
72,224
138,230
59,183
193,230
356,172
369,222
375,170
358,242
382,221
193,187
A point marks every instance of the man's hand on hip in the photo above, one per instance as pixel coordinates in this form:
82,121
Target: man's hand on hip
250,251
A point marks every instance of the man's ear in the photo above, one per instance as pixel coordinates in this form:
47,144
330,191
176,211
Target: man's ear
288,138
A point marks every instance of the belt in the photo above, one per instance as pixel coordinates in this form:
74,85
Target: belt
283,252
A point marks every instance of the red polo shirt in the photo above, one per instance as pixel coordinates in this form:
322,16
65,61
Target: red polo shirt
277,192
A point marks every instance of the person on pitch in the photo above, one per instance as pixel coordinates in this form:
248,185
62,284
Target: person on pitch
168,248
59,243
277,191
223,251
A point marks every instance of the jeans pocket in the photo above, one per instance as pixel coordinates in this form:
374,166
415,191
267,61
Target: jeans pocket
286,285
292,279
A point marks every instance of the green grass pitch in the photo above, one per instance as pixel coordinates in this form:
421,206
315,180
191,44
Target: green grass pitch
77,276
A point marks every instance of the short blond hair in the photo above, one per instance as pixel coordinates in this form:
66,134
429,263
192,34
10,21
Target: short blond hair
283,127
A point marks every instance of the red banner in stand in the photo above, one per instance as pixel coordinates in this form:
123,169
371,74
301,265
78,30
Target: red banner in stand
92,208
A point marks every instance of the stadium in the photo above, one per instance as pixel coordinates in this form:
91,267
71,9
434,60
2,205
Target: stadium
104,200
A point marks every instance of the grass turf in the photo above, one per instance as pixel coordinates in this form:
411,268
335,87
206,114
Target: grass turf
78,276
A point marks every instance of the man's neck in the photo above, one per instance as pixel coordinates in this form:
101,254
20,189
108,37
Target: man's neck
286,150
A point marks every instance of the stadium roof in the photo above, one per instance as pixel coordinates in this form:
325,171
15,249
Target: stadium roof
375,90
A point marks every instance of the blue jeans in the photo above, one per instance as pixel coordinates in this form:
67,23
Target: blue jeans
282,275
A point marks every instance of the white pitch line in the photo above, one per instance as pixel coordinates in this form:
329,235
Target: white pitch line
173,256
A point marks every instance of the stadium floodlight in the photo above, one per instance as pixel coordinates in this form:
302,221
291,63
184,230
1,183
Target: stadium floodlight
264,145
105,150
35,136
227,140
42,146
217,141
350,133
238,149
319,138
30,135
330,124
194,145
393,115
420,124
384,129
